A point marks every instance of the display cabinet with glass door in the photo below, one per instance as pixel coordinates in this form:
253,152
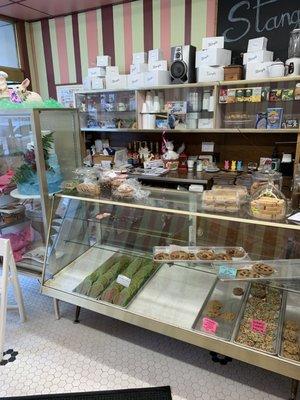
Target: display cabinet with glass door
167,264
39,148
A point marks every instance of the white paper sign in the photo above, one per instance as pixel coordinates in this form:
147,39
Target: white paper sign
207,147
123,280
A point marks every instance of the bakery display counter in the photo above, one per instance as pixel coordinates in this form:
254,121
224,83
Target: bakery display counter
102,255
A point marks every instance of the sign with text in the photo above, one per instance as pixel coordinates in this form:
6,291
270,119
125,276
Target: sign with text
239,21
258,326
227,272
209,325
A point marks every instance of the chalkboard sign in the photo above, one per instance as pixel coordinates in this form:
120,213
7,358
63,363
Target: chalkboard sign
241,20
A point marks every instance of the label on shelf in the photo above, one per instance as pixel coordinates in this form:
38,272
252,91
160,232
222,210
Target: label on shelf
123,280
209,325
227,272
258,326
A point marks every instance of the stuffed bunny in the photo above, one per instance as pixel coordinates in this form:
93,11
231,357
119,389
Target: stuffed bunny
4,92
25,94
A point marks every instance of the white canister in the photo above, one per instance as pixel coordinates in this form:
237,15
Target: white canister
148,121
276,69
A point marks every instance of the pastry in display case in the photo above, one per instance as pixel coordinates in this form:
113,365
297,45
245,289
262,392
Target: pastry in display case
290,338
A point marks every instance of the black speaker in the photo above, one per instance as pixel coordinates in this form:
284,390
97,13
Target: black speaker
183,64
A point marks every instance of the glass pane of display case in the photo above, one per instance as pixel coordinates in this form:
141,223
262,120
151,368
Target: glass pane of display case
107,110
184,108
266,105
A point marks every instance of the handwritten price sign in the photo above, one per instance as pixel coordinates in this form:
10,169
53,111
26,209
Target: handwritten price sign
258,326
209,325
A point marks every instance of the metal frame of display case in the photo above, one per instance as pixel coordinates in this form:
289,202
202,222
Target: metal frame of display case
273,363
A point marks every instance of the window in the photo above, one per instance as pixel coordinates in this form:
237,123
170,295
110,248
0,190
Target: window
9,52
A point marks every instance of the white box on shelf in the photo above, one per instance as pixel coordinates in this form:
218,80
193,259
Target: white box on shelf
210,74
213,57
139,58
205,123
257,70
112,69
161,65
155,55
97,83
116,81
103,61
87,83
213,42
138,68
135,81
258,56
255,44
97,71
156,78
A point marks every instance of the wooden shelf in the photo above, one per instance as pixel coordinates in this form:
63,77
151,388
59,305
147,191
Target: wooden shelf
255,81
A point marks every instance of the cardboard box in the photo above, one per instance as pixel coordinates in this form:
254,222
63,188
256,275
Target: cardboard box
161,65
138,68
258,56
156,78
139,58
213,57
103,61
210,74
257,70
116,81
135,81
112,70
213,42
155,55
97,71
259,43
87,83
98,83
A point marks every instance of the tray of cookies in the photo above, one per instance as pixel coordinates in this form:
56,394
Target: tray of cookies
259,322
198,254
220,311
290,338
264,270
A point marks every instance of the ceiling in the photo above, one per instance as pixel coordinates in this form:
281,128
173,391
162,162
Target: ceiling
31,10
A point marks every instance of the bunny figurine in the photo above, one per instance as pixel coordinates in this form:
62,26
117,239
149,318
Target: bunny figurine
25,94
4,92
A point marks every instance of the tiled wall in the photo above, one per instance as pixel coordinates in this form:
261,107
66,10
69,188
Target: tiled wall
61,49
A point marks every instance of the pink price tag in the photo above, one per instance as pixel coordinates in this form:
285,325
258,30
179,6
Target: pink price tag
209,325
258,326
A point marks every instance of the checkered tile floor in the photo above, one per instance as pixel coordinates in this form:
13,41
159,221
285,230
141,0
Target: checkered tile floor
101,353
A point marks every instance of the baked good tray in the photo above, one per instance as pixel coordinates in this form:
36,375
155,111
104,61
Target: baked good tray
219,313
198,254
290,337
252,336
264,270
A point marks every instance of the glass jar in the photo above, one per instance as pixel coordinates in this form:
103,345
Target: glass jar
294,44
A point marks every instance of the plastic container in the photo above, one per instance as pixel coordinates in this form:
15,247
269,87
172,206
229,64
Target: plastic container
221,201
261,178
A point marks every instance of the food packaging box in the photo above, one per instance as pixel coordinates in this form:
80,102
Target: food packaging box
258,56
210,74
87,83
139,58
259,43
213,42
157,78
213,57
116,81
275,116
98,83
233,73
138,68
112,70
161,65
96,71
155,55
103,61
257,70
135,81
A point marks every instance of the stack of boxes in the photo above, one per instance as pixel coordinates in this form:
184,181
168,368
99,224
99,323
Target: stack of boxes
137,70
210,61
96,75
257,59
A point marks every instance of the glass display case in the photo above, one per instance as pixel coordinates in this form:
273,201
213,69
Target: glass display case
164,263
39,148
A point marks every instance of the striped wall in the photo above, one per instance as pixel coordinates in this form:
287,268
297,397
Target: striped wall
63,48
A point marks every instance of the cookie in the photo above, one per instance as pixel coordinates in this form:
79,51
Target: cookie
243,273
291,347
214,304
236,253
238,291
223,256
292,325
213,313
290,335
192,256
295,357
179,255
206,255
228,316
263,269
161,256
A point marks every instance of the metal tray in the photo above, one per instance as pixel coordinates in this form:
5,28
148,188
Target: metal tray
279,324
223,292
291,312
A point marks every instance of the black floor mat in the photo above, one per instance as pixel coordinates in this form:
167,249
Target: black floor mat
160,393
